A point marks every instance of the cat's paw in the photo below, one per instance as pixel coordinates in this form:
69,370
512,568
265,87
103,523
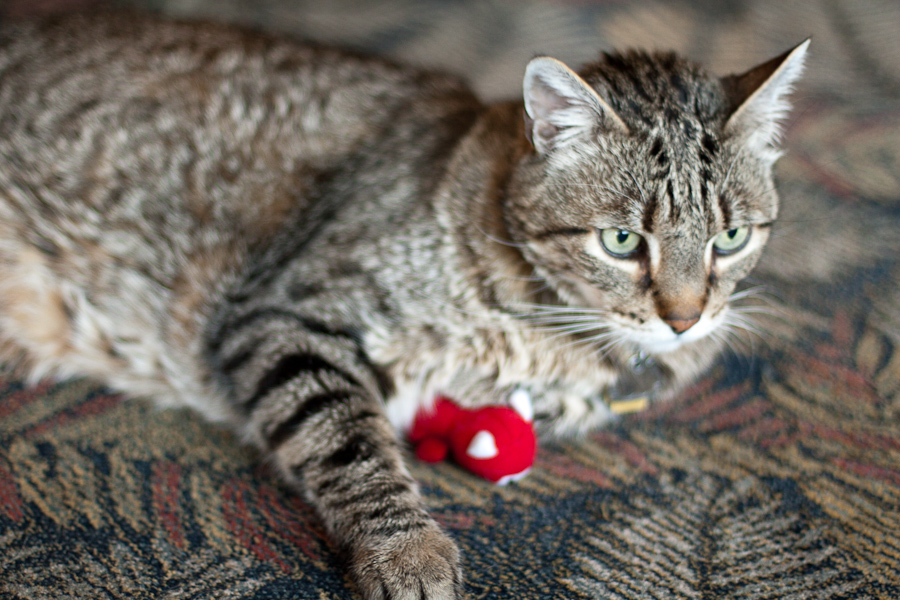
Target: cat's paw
416,565
559,413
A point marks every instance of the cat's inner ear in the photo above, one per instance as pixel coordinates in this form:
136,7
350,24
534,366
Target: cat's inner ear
560,105
758,99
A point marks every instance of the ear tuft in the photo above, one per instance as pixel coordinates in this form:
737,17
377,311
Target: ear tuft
561,106
758,99
520,401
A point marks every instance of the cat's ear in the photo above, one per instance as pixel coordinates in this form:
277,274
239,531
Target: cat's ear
560,105
758,99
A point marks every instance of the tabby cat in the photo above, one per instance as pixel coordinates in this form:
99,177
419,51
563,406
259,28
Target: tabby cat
308,244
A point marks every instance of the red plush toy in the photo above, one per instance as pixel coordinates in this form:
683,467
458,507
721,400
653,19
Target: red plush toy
494,442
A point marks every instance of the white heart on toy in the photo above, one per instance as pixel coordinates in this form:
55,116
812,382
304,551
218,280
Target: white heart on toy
483,445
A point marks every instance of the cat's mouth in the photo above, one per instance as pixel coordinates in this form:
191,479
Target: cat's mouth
656,337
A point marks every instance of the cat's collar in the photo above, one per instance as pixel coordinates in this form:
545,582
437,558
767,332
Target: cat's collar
640,379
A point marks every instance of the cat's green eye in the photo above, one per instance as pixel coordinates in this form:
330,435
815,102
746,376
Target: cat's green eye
729,242
620,242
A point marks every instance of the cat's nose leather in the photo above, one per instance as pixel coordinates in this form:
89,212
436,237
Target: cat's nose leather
682,311
680,325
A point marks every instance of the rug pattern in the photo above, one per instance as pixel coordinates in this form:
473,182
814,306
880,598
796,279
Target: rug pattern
775,476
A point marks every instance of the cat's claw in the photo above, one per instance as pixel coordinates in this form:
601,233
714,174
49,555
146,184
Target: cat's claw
416,565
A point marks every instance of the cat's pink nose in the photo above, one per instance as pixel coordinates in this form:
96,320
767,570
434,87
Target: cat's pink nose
681,323
680,311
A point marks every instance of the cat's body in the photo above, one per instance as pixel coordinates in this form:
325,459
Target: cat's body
286,238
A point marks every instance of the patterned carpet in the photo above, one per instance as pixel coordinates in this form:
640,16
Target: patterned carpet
777,476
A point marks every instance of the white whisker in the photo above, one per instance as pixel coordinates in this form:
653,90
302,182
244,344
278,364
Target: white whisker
497,240
754,310
751,292
611,339
539,319
573,327
549,308
742,330
573,332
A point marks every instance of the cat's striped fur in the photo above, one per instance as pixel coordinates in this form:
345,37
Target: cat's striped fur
308,244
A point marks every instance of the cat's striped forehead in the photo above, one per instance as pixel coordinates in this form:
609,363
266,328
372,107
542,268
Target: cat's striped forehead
659,92
653,189
675,111
683,184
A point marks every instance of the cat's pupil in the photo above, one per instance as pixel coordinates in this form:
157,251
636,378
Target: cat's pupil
732,233
622,236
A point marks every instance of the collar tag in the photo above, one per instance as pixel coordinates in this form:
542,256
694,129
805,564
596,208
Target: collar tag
639,380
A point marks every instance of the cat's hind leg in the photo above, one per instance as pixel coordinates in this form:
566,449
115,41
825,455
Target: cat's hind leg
51,326
37,316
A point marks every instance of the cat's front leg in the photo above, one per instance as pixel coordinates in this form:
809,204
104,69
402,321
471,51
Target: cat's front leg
355,477
312,401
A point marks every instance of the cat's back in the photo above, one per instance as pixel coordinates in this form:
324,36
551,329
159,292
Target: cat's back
144,162
127,112
76,69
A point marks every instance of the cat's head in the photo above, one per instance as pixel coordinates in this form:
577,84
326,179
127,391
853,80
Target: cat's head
649,193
